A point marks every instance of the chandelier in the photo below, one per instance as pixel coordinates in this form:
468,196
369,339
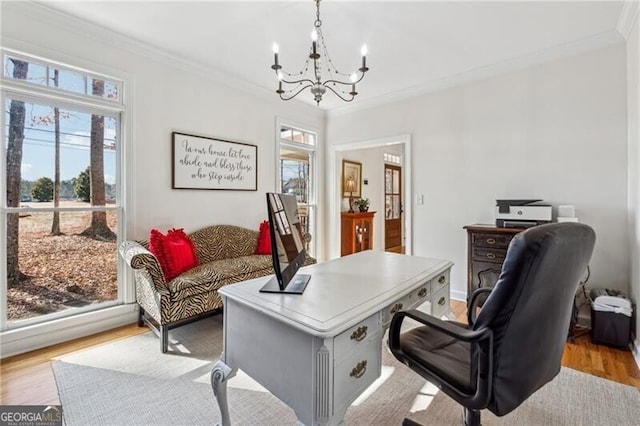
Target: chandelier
317,66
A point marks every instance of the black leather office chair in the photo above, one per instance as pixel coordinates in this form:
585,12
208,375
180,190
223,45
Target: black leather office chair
515,344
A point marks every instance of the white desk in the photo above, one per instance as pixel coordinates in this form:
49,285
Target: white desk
317,352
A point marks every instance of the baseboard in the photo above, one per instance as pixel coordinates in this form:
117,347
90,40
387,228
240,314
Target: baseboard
36,336
458,295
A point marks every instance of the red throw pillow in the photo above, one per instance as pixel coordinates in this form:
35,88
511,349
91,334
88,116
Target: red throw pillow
175,252
264,239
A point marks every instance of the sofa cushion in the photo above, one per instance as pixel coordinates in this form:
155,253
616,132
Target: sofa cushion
223,242
264,239
213,275
175,252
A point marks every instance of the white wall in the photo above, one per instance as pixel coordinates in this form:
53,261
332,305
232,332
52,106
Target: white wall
556,131
167,96
633,99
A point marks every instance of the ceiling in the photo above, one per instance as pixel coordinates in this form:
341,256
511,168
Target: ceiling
413,46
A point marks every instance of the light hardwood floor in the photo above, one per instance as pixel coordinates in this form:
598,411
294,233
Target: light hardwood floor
28,379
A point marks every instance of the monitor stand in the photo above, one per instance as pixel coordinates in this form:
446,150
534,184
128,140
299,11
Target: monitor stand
296,286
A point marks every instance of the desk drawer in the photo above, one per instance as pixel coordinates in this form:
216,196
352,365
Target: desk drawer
355,337
399,305
439,282
354,374
419,296
440,302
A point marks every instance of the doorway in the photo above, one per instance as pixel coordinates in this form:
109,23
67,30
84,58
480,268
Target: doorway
336,202
393,208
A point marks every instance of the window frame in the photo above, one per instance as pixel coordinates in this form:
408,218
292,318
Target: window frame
11,88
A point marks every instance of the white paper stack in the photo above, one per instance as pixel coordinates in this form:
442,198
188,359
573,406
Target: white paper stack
567,214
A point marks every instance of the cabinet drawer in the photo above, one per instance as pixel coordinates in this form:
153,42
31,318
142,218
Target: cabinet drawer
440,302
357,336
489,254
491,240
357,372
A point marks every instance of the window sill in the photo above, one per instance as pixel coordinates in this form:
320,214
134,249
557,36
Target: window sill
29,338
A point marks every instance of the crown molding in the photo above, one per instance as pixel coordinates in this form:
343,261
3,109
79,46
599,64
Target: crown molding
547,55
628,18
46,14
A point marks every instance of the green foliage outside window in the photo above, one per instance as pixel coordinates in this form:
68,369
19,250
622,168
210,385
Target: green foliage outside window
82,187
42,189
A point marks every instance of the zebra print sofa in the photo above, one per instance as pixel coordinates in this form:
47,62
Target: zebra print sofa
226,255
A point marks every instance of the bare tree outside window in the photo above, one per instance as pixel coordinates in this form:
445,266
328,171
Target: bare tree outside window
14,164
98,227
55,224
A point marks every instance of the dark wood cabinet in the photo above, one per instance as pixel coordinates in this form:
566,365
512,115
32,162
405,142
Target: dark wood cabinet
356,232
486,249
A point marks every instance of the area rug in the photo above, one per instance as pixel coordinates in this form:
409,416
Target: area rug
130,382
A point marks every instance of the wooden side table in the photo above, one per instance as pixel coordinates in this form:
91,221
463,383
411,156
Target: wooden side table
356,232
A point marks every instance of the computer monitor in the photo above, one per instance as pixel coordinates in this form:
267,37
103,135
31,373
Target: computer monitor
287,245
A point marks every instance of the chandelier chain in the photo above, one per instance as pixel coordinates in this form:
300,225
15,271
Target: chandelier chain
318,22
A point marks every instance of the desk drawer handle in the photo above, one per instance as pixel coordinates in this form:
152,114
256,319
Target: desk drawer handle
491,255
441,279
396,308
359,334
491,241
422,292
359,370
442,301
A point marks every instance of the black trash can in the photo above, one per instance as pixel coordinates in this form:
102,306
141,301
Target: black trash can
610,317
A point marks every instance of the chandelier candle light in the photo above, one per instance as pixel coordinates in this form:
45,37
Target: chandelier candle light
321,61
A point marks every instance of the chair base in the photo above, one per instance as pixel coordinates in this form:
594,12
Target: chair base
470,417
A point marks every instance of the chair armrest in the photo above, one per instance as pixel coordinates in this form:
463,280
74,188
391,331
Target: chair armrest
447,327
138,257
473,301
481,361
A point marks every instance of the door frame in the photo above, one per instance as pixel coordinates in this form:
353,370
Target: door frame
335,200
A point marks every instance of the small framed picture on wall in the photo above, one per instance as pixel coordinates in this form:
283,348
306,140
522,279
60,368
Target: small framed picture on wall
351,179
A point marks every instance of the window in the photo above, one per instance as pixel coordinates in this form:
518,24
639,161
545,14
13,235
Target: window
37,72
392,158
60,212
297,153
297,136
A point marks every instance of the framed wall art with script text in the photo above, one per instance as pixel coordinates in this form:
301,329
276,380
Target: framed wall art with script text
201,162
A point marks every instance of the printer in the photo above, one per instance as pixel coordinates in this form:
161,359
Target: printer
522,213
